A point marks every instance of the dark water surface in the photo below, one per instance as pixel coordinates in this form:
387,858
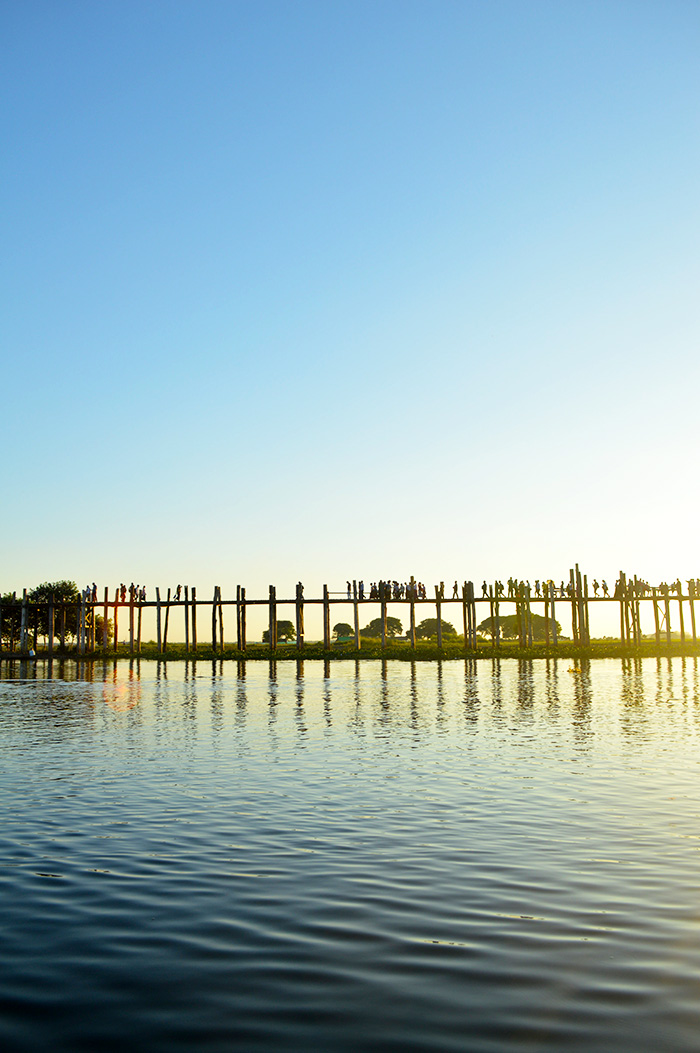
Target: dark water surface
487,856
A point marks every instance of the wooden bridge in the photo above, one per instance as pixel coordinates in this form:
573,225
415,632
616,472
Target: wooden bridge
79,619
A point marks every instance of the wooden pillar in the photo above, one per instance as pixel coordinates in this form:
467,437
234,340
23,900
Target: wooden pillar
326,619
213,622
50,620
545,593
356,618
187,619
23,624
691,604
244,641
623,593
272,621
574,619
193,614
138,628
412,616
220,609
167,620
299,607
496,618
472,610
105,620
382,597
667,611
438,611
528,610
492,618
679,591
238,617
553,616
465,616
131,623
657,630
116,618
158,622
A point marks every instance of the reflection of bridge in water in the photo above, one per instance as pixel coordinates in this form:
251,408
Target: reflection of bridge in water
57,621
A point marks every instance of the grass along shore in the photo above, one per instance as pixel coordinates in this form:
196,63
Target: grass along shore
425,651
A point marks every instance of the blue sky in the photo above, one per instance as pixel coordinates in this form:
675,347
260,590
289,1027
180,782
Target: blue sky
317,290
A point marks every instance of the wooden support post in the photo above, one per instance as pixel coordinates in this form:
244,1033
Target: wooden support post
667,611
574,619
492,619
187,619
105,620
465,617
623,591
438,611
679,592
158,623
23,639
116,618
529,616
691,604
382,597
272,622
553,616
657,630
545,593
497,618
131,623
221,623
356,617
81,624
193,613
472,608
238,617
244,641
300,616
326,620
138,628
167,620
50,620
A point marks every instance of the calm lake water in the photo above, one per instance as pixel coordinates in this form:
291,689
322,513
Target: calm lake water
458,857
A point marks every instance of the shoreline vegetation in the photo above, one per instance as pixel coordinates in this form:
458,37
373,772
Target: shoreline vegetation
397,650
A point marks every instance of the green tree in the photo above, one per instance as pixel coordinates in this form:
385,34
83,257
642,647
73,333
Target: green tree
393,627
11,619
429,627
285,632
342,629
63,592
508,625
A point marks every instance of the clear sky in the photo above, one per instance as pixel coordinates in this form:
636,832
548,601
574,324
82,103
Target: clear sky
322,290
